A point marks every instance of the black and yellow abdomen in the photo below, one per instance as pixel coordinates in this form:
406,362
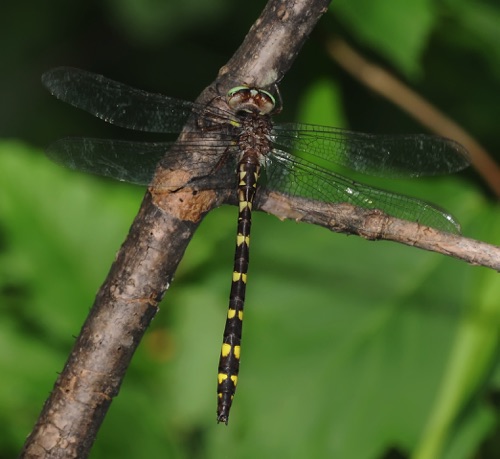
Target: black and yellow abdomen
229,363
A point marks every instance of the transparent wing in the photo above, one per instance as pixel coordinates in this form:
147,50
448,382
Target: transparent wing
136,162
120,104
378,155
133,162
298,177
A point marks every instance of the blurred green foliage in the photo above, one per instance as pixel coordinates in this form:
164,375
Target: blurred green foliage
352,349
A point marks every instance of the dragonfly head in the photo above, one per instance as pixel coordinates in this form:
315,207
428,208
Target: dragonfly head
250,100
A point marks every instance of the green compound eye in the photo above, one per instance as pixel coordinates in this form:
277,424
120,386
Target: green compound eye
236,89
269,96
233,91
251,100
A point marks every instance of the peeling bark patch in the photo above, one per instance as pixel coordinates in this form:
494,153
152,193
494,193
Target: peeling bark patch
186,204
170,180
170,193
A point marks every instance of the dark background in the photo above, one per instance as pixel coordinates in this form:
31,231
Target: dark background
351,347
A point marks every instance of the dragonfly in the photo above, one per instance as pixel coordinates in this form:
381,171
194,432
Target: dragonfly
250,153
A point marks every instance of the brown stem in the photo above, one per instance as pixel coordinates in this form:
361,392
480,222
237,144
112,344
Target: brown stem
375,225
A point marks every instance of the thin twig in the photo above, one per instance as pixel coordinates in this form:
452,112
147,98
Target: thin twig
375,225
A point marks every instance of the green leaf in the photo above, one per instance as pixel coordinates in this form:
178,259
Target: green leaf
474,354
398,30
322,104
478,29
150,21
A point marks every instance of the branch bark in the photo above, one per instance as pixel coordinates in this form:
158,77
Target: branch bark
375,225
146,263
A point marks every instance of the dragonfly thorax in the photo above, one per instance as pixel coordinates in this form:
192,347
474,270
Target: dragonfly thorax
254,136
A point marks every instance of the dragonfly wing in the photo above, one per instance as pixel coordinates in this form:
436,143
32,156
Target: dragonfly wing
133,162
379,155
136,162
298,177
116,102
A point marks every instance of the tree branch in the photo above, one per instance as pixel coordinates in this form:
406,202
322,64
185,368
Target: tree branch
146,263
376,225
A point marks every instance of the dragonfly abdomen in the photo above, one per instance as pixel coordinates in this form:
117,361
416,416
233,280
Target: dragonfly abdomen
229,363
